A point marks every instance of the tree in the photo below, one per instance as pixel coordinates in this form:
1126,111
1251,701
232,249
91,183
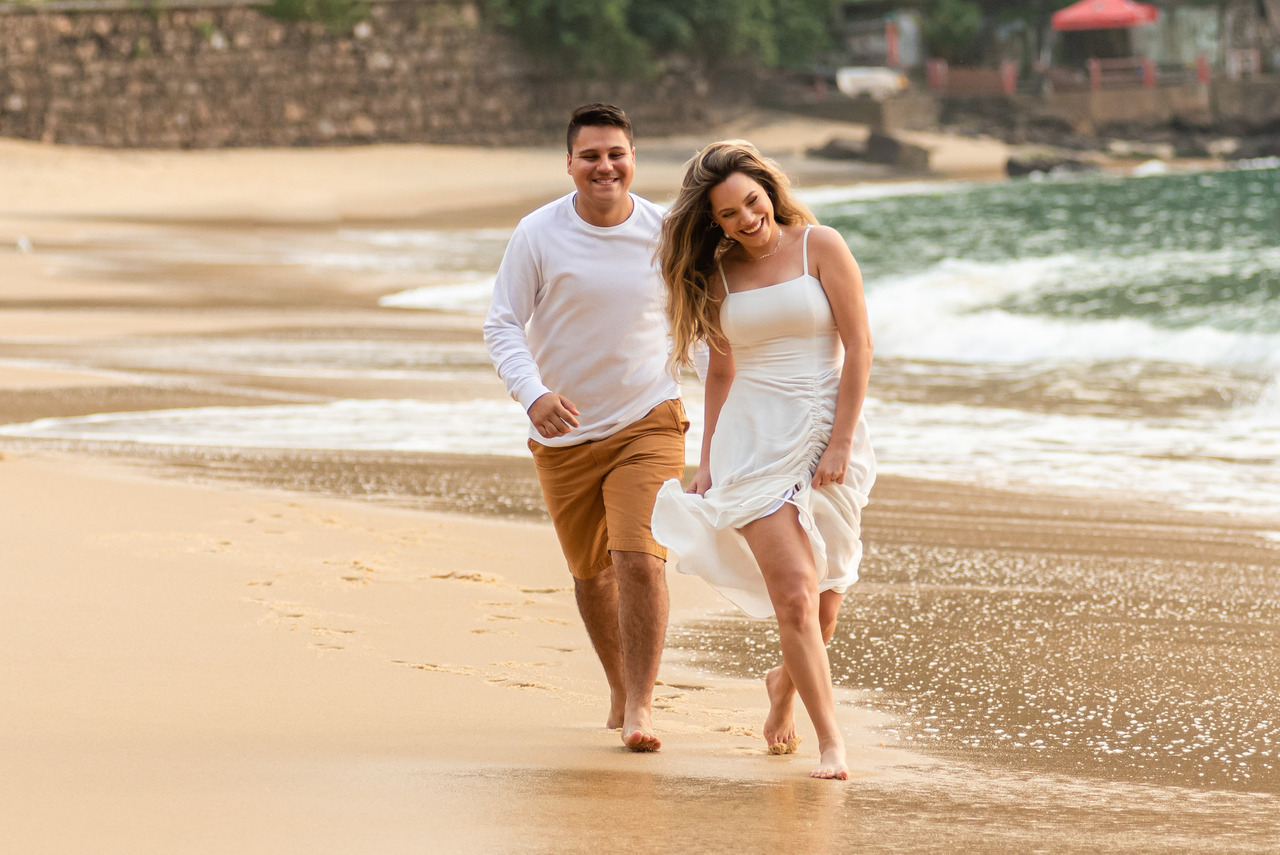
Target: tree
631,37
951,29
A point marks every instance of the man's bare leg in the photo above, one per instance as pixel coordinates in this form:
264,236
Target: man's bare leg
780,724
598,604
642,623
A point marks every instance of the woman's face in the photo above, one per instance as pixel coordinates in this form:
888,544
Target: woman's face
741,206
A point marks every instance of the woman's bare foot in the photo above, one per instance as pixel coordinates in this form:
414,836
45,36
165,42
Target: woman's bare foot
638,734
780,724
831,766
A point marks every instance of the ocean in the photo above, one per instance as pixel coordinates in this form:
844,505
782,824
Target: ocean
1091,335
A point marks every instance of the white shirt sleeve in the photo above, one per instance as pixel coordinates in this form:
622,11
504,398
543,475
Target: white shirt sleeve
516,292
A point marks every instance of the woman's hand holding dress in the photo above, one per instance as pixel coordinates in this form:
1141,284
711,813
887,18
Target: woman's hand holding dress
701,481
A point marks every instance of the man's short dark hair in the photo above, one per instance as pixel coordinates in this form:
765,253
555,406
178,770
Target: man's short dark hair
598,115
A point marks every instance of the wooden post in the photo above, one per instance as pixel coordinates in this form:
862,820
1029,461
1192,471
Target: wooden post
1009,76
1095,74
1148,73
936,75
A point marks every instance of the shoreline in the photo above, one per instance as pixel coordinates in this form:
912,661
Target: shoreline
270,650
423,185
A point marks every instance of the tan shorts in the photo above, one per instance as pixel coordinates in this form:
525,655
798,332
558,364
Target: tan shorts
600,493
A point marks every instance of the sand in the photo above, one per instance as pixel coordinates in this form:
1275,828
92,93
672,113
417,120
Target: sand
214,652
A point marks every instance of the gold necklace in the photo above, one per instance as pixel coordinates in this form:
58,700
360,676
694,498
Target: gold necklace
767,254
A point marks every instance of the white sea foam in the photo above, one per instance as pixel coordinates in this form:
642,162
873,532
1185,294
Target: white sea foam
437,241
1225,463
950,312
343,358
470,296
828,197
477,426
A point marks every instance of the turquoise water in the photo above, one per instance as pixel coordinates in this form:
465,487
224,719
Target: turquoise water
1178,250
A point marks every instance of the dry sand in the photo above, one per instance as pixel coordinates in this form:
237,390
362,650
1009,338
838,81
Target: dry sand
258,663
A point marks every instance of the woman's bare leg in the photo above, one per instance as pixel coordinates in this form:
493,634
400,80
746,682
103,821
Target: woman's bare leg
786,559
780,724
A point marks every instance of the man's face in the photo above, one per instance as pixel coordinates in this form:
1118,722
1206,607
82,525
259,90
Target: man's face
602,164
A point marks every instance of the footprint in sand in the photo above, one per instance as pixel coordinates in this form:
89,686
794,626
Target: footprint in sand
519,684
467,577
462,670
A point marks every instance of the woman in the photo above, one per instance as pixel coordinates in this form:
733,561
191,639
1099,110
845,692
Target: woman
771,518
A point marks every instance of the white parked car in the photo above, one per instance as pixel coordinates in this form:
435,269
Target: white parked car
876,82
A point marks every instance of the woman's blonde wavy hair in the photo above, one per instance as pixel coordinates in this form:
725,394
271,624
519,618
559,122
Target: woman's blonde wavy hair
691,242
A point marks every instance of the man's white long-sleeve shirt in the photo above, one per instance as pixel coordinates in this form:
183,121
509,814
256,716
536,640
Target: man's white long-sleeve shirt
579,310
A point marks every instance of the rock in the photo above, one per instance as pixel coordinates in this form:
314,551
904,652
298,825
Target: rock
840,148
1252,148
363,126
1045,163
888,149
1192,145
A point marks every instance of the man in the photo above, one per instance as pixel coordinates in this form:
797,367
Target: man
578,334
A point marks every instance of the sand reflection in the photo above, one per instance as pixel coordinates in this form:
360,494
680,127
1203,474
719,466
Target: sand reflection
944,807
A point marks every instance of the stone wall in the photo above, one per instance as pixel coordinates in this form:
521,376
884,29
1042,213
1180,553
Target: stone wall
1233,106
201,76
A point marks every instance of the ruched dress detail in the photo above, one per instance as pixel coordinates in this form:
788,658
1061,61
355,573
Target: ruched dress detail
774,426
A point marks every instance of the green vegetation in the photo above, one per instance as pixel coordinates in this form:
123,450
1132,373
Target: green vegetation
338,16
632,37
951,29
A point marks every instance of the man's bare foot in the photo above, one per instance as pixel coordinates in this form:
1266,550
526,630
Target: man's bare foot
780,724
831,766
638,735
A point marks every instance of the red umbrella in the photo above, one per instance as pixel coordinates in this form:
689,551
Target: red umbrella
1104,15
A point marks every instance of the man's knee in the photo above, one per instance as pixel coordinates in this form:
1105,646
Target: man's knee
637,564
602,582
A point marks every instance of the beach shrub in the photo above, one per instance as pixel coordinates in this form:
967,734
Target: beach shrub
630,38
951,29
589,37
338,16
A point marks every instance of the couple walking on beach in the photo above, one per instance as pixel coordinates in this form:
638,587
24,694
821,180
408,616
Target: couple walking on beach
589,328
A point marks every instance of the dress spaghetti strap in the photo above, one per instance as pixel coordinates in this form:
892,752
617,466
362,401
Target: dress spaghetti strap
804,251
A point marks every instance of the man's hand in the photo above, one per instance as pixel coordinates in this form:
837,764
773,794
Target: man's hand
553,415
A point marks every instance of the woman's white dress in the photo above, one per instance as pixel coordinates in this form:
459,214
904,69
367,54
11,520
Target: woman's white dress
773,427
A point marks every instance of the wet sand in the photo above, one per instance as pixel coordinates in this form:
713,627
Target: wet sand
279,650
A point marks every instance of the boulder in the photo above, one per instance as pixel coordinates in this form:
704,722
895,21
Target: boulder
1251,148
889,149
840,148
1026,164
